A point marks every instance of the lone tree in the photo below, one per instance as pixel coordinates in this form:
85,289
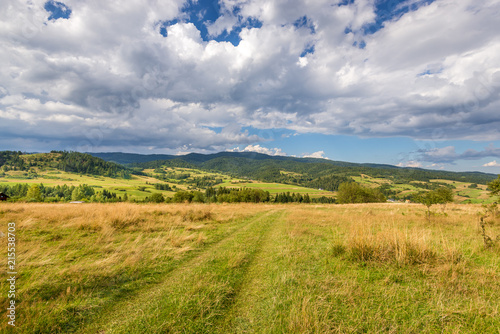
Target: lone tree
351,192
34,194
441,195
494,187
157,198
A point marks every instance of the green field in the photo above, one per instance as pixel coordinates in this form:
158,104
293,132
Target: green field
117,185
250,268
461,190
52,177
275,188
139,184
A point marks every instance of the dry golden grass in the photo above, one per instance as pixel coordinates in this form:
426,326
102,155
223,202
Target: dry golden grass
396,232
70,254
118,230
322,268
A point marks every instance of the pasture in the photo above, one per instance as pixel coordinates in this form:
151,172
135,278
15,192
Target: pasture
252,268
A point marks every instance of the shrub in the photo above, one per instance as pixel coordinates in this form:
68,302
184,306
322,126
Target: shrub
157,198
351,192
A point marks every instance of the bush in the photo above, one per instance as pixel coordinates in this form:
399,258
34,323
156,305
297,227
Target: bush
494,186
183,196
157,198
442,195
351,192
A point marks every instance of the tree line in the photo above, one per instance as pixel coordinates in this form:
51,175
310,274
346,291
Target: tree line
64,193
327,175
73,162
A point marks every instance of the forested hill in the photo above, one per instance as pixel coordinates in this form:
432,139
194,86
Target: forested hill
310,172
197,158
73,162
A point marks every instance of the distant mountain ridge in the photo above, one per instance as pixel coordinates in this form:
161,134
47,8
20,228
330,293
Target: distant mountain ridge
133,158
310,172
314,173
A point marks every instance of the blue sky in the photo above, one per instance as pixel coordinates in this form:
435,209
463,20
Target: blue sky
403,82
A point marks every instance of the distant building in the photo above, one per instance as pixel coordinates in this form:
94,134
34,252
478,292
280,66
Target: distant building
3,197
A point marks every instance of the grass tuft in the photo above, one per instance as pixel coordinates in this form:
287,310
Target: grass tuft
365,244
197,215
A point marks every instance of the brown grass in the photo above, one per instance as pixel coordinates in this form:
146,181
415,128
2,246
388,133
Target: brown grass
396,233
73,256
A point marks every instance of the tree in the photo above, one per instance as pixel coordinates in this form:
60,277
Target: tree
494,187
183,196
351,192
34,194
444,195
157,198
441,195
307,199
198,197
76,195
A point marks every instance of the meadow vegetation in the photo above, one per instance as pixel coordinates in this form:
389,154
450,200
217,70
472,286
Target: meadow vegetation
67,176
254,268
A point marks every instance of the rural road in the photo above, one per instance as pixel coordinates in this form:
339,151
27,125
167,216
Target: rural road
212,292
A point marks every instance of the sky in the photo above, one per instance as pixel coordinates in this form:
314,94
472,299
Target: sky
404,82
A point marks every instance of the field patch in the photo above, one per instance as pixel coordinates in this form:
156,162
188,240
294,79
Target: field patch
236,268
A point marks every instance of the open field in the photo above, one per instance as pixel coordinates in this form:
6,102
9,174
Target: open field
118,185
138,183
247,268
233,182
275,188
462,191
139,187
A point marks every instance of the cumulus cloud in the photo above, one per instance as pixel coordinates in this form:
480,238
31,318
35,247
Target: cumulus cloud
105,77
411,163
318,155
259,149
493,163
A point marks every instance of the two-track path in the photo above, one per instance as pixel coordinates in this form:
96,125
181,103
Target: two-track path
208,293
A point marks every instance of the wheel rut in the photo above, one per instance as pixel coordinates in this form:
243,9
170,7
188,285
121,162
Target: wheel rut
197,292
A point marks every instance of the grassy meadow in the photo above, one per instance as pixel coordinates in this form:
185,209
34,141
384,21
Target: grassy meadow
138,187
252,268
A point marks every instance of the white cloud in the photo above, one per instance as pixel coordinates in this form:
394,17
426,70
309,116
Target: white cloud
260,149
434,69
318,155
225,22
493,163
411,163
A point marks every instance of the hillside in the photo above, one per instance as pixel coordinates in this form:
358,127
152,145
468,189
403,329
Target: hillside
395,182
63,176
262,166
65,161
139,176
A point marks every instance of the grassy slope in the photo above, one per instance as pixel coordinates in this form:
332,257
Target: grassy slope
51,177
120,186
463,194
375,268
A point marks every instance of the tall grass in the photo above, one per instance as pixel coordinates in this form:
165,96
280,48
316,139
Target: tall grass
248,268
393,245
76,260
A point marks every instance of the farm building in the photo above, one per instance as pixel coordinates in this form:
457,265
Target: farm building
3,197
